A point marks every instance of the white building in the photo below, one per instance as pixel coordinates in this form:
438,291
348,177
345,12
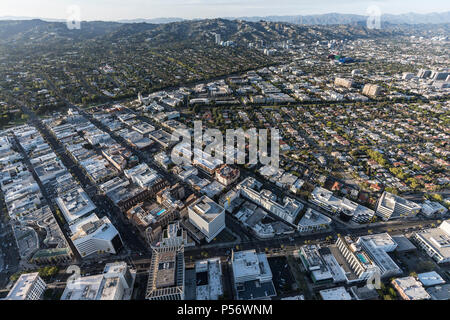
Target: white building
369,255
288,210
430,208
436,242
207,216
377,247
391,206
116,283
93,235
75,204
347,209
313,221
252,275
142,175
339,293
249,265
28,287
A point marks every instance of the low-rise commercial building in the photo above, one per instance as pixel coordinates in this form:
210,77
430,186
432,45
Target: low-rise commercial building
208,275
436,242
252,275
410,289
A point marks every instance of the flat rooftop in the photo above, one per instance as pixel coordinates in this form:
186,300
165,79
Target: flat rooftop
440,292
339,293
22,286
412,288
429,279
313,218
75,204
438,239
166,269
207,208
255,289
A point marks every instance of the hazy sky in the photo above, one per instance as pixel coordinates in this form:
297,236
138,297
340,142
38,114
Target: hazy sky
131,9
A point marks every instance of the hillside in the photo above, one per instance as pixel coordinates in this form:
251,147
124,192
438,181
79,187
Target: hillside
33,32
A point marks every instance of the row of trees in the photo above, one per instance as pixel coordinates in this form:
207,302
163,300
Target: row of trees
44,272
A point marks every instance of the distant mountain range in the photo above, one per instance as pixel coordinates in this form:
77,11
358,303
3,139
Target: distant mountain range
318,19
339,18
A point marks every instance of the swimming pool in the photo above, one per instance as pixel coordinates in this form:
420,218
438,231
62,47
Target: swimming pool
362,258
161,212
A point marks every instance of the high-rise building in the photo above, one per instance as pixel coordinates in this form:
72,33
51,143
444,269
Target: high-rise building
166,274
440,76
218,38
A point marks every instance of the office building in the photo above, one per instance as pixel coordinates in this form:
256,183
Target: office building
207,216
252,275
436,242
312,221
94,235
371,90
311,257
344,208
423,74
391,207
430,208
287,211
166,274
28,287
75,204
115,283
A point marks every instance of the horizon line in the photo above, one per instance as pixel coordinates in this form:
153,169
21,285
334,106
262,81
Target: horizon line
18,18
